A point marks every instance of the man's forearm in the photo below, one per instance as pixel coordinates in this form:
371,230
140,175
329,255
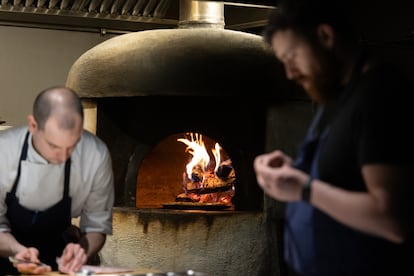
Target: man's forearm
8,245
92,243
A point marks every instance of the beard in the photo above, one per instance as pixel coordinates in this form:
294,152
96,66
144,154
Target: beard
321,83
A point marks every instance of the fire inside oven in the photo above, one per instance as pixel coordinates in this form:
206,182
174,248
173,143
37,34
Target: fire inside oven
148,136
187,171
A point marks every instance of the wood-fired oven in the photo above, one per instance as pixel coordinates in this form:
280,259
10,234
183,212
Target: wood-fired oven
144,92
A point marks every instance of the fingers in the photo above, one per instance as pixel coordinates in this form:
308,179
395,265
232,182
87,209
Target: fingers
30,254
72,259
274,159
33,269
267,168
281,183
42,269
260,166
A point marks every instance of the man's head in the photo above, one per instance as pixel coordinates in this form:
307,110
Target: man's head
311,39
56,123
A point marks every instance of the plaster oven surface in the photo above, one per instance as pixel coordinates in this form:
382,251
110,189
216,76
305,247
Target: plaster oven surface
217,243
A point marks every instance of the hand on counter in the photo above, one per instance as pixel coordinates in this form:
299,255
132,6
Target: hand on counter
27,262
72,259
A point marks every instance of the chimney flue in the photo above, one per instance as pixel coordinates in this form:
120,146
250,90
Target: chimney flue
196,14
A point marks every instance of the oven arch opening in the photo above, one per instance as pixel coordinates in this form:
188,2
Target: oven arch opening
163,179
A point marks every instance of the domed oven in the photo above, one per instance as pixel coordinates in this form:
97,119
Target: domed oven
184,112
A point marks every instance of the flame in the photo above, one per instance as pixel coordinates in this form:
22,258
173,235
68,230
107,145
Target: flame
217,156
203,181
201,158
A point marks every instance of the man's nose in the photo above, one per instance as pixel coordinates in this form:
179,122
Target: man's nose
64,155
290,71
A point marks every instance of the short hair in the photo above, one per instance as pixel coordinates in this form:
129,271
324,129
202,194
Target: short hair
46,104
303,17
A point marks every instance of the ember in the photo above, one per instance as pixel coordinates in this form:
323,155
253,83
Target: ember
206,180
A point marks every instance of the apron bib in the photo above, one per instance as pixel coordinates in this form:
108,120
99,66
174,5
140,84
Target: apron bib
299,244
300,249
41,229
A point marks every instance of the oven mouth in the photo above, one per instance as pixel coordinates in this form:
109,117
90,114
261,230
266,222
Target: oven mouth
198,175
149,162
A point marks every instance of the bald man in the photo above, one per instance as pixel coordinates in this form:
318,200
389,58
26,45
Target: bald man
50,172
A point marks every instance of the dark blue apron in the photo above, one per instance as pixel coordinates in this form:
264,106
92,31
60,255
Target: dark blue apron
299,235
299,232
41,229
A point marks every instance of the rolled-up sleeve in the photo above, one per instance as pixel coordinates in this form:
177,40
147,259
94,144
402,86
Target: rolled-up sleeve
97,212
94,194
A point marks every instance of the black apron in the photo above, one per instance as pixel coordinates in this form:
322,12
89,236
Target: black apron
43,230
300,250
299,247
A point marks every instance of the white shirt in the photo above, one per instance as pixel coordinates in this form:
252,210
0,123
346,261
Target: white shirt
41,184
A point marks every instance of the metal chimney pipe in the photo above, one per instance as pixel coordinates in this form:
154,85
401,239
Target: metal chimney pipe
196,14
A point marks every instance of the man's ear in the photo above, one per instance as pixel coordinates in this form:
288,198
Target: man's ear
326,35
32,123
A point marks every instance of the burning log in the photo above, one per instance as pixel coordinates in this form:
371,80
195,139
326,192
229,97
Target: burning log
211,187
205,181
218,197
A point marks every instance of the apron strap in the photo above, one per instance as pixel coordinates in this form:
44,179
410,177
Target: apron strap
23,156
67,177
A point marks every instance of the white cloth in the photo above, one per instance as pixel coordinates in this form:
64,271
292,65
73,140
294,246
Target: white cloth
41,184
